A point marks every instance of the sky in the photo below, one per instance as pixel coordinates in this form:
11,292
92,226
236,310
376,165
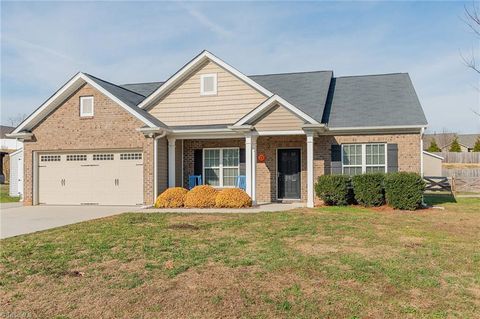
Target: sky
43,44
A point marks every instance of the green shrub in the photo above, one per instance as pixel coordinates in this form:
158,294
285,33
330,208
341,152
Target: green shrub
334,189
404,190
368,189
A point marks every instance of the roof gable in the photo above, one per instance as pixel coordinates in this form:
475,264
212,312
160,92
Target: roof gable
186,70
122,97
267,106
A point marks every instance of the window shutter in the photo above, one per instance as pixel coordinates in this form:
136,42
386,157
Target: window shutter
198,162
336,159
242,156
392,157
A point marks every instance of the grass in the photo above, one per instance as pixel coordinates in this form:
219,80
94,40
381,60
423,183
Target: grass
332,262
4,195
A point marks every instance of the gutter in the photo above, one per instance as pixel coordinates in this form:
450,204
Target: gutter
22,136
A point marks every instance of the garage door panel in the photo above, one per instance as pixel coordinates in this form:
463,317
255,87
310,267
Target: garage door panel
107,178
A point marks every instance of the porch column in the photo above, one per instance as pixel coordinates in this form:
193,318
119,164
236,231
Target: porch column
171,161
250,165
310,187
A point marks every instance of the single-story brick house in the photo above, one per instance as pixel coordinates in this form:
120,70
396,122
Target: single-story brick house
95,142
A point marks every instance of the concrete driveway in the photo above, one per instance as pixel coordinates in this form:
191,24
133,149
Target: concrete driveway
16,219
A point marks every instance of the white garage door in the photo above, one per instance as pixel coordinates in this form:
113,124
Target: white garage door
107,178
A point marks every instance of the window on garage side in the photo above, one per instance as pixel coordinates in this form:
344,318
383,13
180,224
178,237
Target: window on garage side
221,166
86,106
130,156
103,157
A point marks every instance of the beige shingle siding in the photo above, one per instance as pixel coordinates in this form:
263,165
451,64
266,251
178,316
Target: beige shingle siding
111,127
185,106
280,119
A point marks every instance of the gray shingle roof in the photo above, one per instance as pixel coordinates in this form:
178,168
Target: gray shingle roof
129,98
373,100
4,130
144,89
305,90
353,101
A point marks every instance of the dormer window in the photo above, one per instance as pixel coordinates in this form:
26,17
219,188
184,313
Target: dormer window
208,84
86,106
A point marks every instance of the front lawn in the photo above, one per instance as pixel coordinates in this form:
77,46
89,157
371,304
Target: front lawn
4,195
324,263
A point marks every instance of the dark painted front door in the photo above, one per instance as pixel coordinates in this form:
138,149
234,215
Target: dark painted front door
288,173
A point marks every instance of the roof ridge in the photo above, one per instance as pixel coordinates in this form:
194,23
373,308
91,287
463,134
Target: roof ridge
113,84
364,75
285,73
142,83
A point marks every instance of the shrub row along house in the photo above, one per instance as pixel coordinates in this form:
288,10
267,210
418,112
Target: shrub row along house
95,142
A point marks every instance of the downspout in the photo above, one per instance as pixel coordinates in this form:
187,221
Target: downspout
155,166
422,131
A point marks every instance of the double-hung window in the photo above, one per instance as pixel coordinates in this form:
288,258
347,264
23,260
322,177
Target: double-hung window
364,158
221,166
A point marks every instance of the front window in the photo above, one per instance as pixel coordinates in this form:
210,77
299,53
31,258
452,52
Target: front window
363,158
221,166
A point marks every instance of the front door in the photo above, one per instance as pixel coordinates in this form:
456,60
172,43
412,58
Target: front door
288,164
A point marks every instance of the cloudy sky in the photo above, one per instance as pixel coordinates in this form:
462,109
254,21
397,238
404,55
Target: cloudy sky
43,44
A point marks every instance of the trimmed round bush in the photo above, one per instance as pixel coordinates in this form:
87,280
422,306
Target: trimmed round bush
404,190
368,189
171,198
334,189
202,196
232,198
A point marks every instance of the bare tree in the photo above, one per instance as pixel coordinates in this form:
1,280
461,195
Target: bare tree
472,19
17,119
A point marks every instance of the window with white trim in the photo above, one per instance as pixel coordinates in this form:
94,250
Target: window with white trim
221,166
208,84
364,158
86,106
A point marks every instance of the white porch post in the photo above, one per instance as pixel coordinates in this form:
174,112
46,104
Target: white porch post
171,161
254,170
310,188
251,166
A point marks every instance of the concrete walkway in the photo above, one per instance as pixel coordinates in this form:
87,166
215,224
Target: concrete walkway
271,207
17,220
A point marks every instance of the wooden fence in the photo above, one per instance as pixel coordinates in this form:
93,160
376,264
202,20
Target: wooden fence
460,157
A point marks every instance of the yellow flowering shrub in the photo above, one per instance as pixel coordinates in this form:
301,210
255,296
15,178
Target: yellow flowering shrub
171,198
202,196
233,198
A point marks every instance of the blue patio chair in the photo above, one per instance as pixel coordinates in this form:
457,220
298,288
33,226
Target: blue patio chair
242,182
194,180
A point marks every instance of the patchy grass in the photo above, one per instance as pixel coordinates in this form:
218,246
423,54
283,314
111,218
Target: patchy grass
4,195
332,262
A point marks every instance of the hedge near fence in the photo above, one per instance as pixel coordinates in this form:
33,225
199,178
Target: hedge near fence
399,190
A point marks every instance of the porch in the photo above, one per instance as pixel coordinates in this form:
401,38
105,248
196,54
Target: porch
276,168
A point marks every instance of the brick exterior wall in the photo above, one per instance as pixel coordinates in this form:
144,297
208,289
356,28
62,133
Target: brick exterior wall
408,156
113,128
110,128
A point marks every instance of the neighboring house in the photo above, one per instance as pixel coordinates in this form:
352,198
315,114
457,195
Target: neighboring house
444,141
95,142
7,145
